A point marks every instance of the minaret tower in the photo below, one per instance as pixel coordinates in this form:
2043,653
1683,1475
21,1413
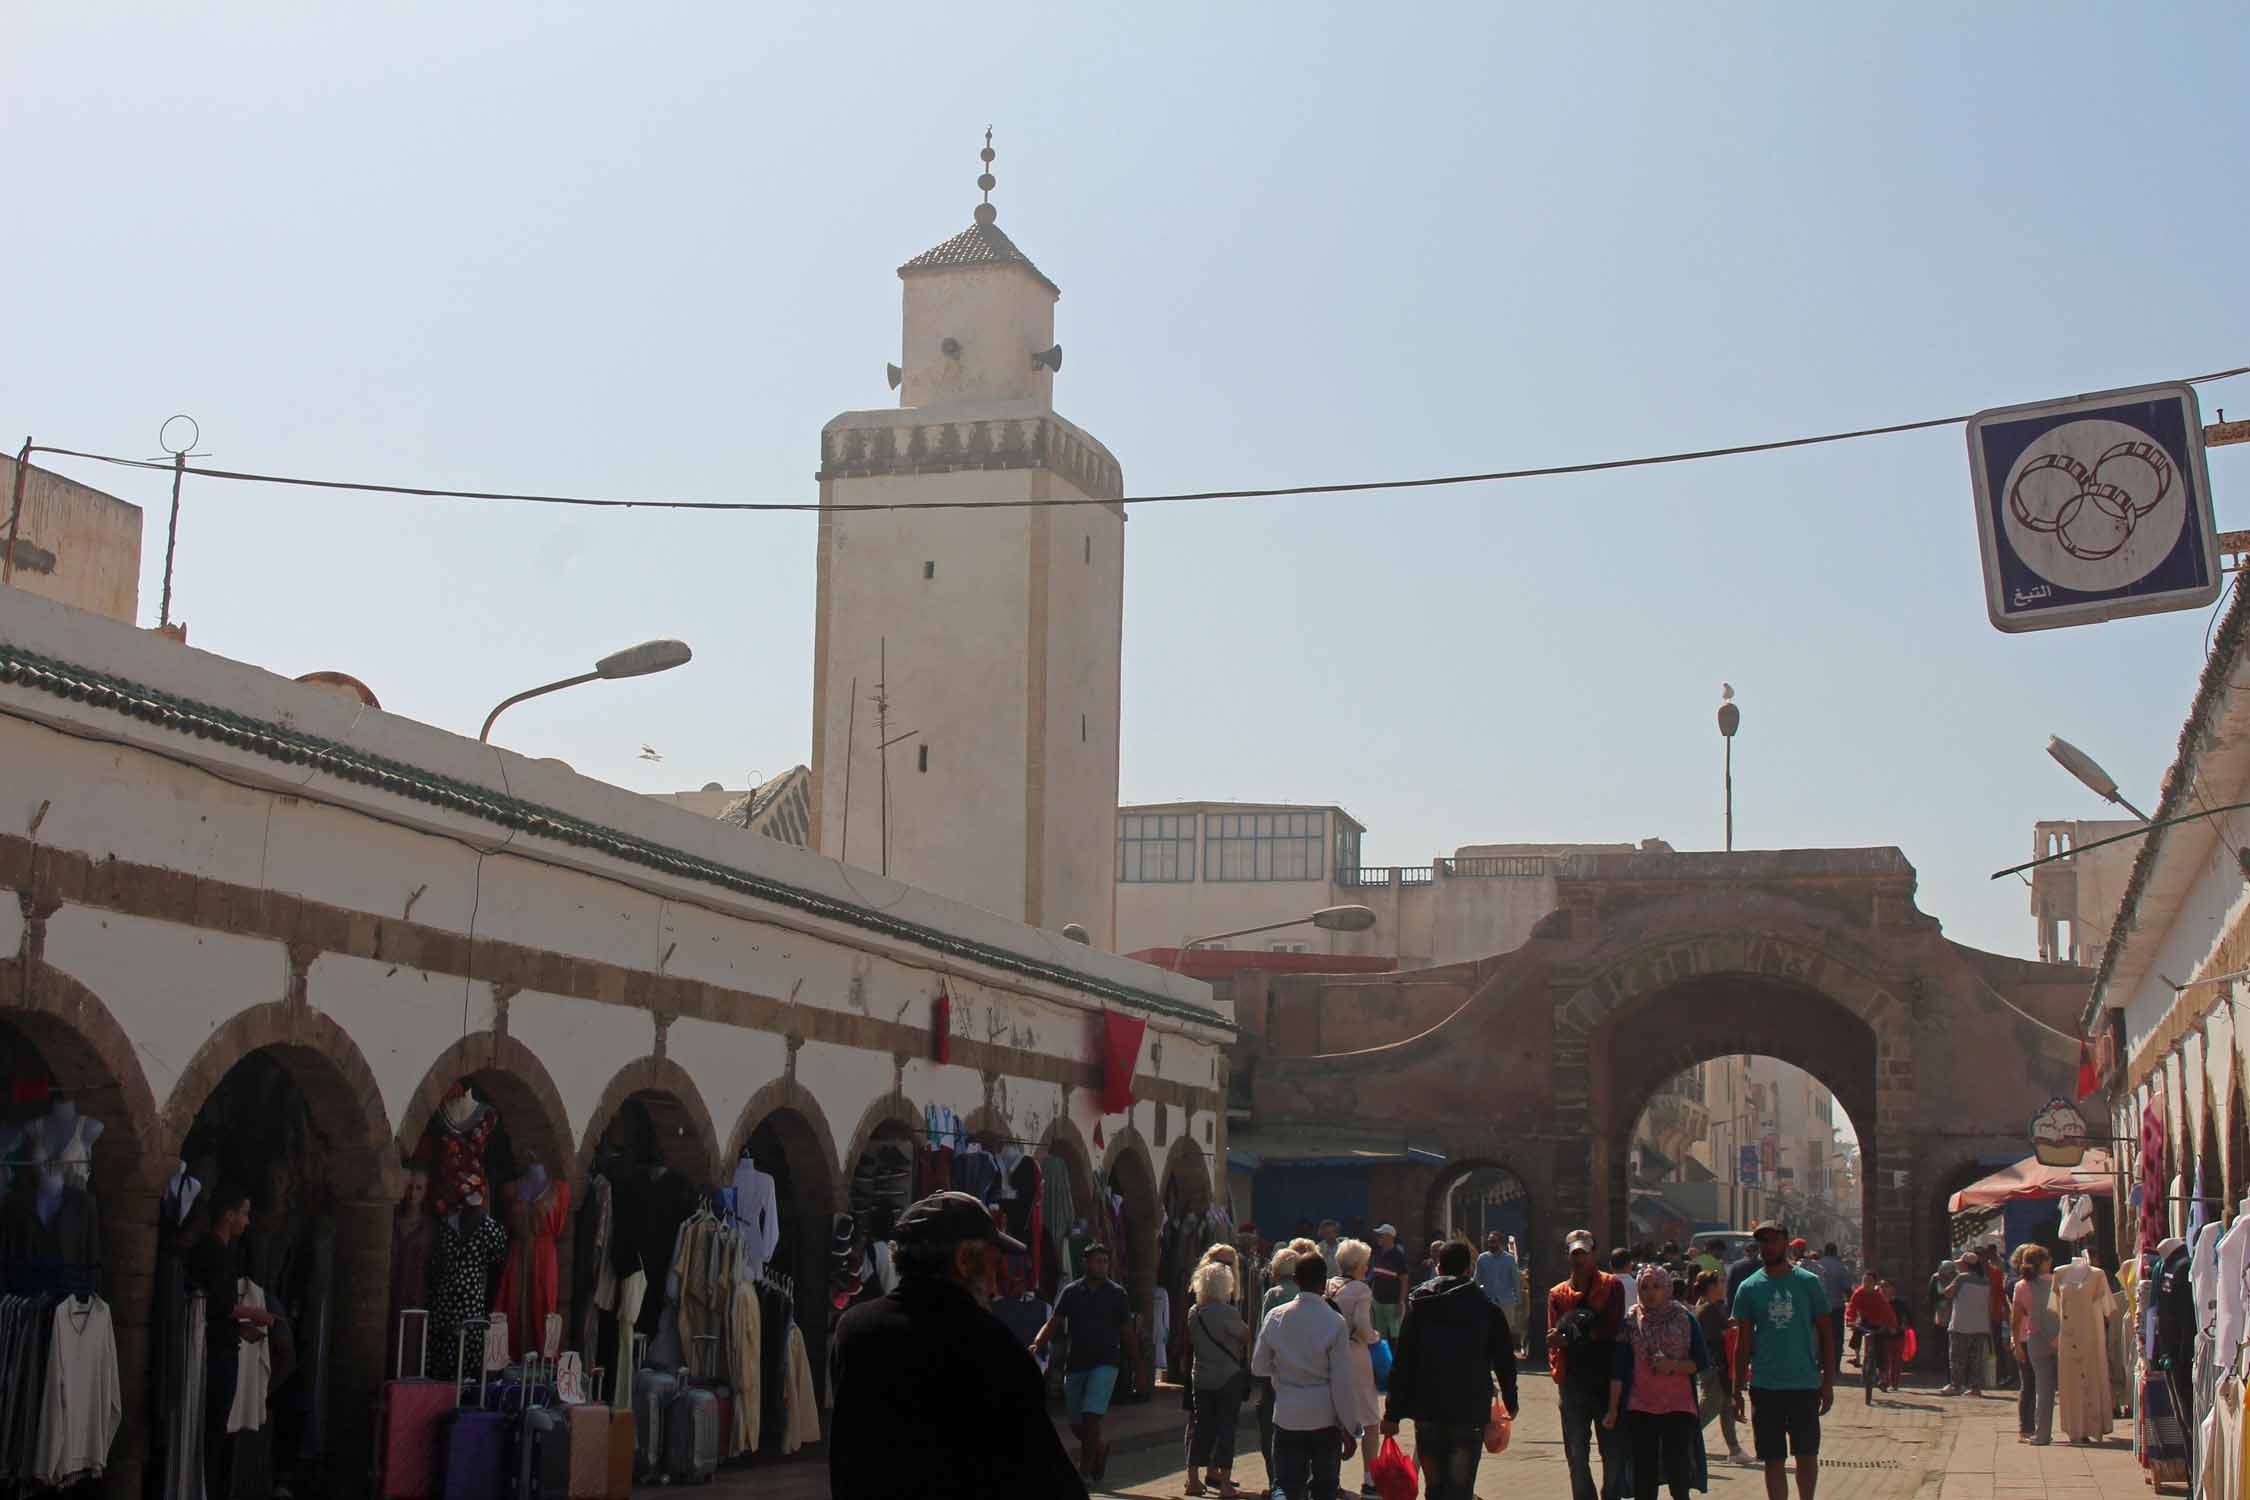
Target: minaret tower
982,641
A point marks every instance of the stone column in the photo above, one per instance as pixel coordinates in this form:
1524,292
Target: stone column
359,1359
129,1284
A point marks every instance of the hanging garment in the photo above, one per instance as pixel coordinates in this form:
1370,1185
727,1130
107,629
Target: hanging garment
742,1363
529,1284
460,1281
413,1238
2084,1401
775,1325
593,1279
2156,1170
456,1148
2077,1219
757,1211
2221,1469
804,1401
253,1369
183,1417
84,1403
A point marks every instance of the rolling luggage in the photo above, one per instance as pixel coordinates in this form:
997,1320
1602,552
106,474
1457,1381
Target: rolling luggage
622,1451
543,1441
473,1440
691,1437
710,1375
408,1411
653,1394
589,1447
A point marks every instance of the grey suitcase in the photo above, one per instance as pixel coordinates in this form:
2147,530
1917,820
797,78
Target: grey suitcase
691,1436
653,1394
542,1442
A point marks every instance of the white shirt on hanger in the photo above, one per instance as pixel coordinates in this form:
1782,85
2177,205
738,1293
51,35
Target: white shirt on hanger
2234,1252
83,1404
757,1212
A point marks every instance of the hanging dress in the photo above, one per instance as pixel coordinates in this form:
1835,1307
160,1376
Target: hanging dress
529,1283
460,1272
456,1149
2084,1400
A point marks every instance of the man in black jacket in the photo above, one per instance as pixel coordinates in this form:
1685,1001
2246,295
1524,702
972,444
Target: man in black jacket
934,1398
1454,1345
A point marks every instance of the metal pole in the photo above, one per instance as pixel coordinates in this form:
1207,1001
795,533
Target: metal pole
15,514
851,723
172,542
1730,794
882,733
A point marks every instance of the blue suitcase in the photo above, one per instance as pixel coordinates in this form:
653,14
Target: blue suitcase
472,1443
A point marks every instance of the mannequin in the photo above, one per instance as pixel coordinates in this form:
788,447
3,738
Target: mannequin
469,1243
66,1138
413,1237
530,1283
456,1144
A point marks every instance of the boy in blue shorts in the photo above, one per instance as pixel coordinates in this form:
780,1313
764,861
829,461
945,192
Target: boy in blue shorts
1098,1317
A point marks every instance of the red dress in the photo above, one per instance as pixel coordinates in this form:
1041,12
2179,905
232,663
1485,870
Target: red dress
456,1163
529,1287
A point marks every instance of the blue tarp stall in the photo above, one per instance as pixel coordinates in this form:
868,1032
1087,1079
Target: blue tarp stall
1304,1175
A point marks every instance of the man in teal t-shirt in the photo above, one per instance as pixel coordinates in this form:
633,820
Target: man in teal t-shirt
1786,1360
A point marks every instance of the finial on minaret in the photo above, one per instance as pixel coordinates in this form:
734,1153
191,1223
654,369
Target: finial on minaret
986,213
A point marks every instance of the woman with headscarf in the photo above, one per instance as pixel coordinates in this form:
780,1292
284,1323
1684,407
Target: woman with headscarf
1659,1354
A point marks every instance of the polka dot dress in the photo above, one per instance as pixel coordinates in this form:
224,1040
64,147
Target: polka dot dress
460,1287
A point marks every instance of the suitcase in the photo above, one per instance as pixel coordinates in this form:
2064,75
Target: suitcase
408,1410
622,1450
713,1379
543,1433
589,1447
653,1393
691,1437
473,1440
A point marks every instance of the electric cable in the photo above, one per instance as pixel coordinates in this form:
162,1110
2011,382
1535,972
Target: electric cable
1362,486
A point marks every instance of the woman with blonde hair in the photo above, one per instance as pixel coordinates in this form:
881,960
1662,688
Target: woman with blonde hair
1355,1299
1283,1271
1219,1365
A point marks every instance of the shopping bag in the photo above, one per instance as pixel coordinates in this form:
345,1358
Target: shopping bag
1496,1429
1907,1350
1379,1355
1392,1473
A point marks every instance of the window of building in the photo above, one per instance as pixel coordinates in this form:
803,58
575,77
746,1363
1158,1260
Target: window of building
1289,947
1263,846
1155,847
1347,849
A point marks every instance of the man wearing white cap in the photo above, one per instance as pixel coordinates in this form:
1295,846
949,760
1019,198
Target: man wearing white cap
1386,1278
1583,1318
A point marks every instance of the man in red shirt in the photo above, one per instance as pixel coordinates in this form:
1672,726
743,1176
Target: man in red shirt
1583,1318
1877,1321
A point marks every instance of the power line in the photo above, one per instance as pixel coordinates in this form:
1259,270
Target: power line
1359,486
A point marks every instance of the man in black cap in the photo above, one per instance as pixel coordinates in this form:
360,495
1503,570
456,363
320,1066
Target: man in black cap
933,1396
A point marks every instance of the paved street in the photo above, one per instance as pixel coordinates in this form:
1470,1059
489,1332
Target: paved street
1915,1445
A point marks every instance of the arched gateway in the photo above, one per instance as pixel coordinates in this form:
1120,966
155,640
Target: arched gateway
1542,1058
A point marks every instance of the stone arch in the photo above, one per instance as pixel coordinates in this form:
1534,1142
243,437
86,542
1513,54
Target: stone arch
692,1149
89,1056
1130,1167
339,1089
1187,1171
1437,1221
894,1110
988,1125
809,1140
785,1114
514,1079
1738,973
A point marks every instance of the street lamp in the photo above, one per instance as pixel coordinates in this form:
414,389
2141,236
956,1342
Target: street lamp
2083,766
1730,719
1327,919
633,661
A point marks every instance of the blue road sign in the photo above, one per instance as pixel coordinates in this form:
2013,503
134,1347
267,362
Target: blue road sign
2094,507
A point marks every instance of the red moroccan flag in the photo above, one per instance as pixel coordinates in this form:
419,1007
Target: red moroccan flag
941,1025
2088,1079
1121,1050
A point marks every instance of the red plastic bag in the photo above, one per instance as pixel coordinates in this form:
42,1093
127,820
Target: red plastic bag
1392,1473
1496,1430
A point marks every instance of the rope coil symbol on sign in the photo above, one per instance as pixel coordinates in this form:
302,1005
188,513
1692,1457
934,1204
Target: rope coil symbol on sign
2091,511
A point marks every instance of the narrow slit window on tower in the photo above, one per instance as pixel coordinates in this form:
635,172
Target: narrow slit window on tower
1082,729
929,570
922,757
1089,549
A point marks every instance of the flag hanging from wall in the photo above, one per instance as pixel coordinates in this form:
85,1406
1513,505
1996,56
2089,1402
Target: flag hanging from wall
1121,1052
2089,1080
941,1025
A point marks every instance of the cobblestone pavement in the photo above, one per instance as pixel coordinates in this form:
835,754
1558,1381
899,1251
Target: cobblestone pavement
1913,1445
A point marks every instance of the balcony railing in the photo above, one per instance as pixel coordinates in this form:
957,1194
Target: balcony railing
1494,867
1383,875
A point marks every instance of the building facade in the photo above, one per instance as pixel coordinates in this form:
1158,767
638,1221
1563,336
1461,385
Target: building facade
981,643
73,543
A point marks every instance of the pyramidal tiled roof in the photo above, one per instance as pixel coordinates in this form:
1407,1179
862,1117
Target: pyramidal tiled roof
981,244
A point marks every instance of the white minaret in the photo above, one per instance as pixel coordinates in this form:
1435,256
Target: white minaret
991,636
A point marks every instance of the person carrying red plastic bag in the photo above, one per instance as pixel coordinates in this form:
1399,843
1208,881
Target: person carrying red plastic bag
1393,1473
1453,1349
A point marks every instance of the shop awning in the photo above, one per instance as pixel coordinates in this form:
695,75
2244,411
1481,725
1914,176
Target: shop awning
2029,1179
1322,1146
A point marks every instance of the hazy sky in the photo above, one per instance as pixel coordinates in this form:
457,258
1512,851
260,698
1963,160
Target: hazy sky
648,249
